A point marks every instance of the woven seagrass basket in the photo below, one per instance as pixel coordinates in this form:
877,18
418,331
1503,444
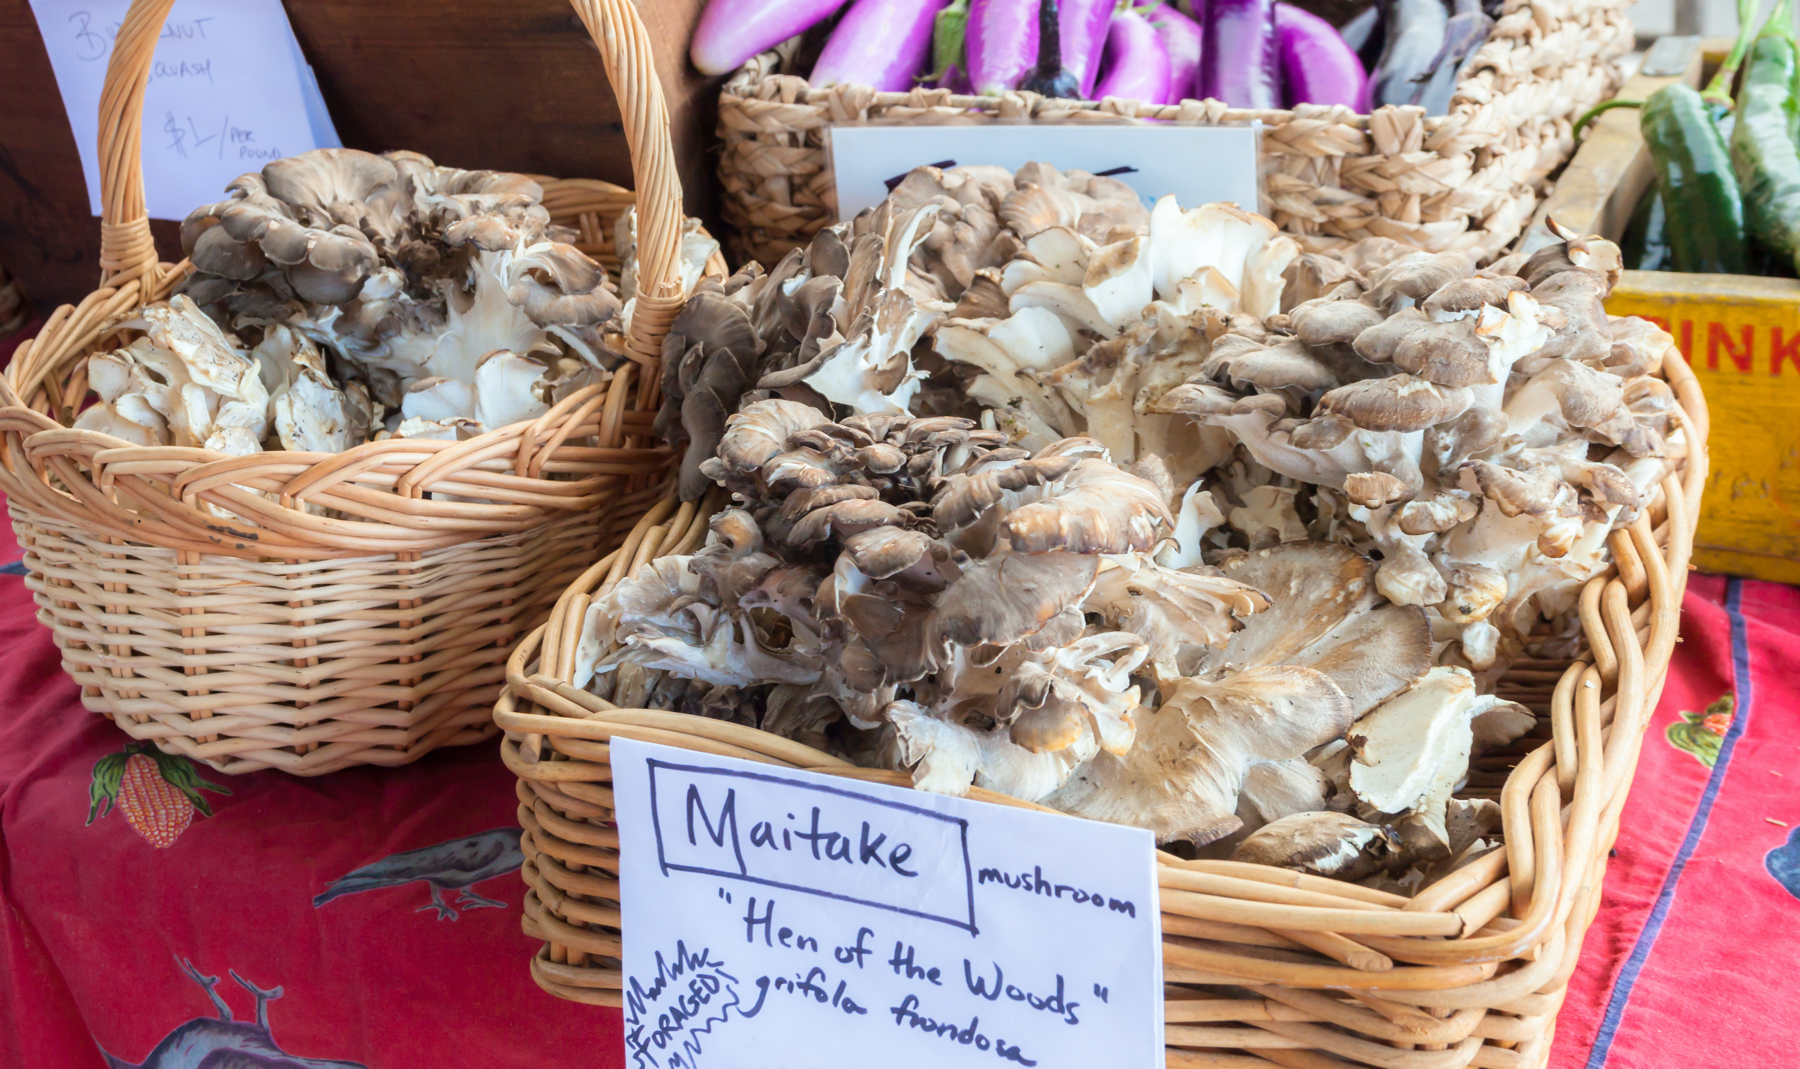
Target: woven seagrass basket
1264,965
1466,180
372,635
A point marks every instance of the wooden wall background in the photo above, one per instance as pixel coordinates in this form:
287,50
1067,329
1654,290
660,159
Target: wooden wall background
503,84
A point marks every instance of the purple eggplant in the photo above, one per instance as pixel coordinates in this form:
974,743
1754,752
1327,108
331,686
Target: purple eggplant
1135,65
1415,32
1317,65
1181,39
1084,27
1363,27
879,43
1002,43
1050,78
1463,34
1239,61
732,31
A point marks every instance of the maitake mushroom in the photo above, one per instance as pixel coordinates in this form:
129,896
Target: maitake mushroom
376,295
1172,526
184,382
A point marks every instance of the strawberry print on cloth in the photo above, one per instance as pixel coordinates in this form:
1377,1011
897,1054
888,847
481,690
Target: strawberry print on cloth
1702,733
157,792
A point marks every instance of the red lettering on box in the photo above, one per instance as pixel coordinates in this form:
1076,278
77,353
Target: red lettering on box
1718,337
1780,350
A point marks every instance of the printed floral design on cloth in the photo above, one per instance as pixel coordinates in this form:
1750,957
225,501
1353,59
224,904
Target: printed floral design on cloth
456,865
223,1041
1701,733
157,792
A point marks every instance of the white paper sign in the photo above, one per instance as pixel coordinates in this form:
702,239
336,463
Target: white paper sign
1197,164
775,918
228,92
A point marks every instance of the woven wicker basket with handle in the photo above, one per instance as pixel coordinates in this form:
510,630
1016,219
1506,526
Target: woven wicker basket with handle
1466,180
302,639
1264,965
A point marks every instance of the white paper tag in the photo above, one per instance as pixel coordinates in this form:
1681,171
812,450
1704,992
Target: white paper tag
781,918
228,92
1196,164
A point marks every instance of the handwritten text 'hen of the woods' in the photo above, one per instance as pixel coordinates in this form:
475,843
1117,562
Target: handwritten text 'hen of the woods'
775,847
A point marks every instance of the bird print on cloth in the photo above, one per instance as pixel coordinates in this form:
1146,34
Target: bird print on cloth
457,865
1783,863
223,1042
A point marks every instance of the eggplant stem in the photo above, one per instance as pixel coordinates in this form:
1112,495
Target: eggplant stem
1590,114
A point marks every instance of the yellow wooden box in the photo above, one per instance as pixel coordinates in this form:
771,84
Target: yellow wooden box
1740,333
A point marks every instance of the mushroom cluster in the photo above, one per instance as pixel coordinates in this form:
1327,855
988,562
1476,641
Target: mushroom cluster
372,296
1480,432
1143,514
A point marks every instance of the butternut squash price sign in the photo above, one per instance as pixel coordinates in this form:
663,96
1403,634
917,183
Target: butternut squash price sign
1741,335
777,917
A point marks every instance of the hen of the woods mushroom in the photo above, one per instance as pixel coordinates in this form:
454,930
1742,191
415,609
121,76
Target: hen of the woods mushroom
1144,515
340,296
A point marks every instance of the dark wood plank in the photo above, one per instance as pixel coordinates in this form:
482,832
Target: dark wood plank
502,84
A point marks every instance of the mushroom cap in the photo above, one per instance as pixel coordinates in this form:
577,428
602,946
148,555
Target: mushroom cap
1417,276
1183,773
965,497
758,432
558,286
1413,749
1285,364
1325,614
1276,789
1448,353
1396,403
1325,321
1320,843
882,552
1465,296
1436,514
1535,492
216,252
1311,275
1095,508
1373,489
1638,347
1002,599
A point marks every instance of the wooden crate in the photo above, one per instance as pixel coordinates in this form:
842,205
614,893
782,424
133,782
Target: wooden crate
1740,333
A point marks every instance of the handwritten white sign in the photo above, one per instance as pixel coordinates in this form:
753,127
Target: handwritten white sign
228,92
1197,164
782,918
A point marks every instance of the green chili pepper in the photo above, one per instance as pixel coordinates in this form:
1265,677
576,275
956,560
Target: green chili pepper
1646,243
1699,190
1763,150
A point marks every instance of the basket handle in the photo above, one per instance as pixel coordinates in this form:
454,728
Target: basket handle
128,251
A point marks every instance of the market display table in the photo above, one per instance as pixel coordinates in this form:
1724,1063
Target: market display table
155,911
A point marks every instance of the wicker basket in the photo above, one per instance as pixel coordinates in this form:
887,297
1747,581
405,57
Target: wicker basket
300,641
1267,965
1469,179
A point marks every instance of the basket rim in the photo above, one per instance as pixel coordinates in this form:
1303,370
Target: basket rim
1447,936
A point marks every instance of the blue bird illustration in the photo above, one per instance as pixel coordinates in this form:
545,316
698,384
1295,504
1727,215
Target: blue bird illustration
222,1042
457,865
1783,863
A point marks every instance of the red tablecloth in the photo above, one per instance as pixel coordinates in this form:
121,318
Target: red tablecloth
148,926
